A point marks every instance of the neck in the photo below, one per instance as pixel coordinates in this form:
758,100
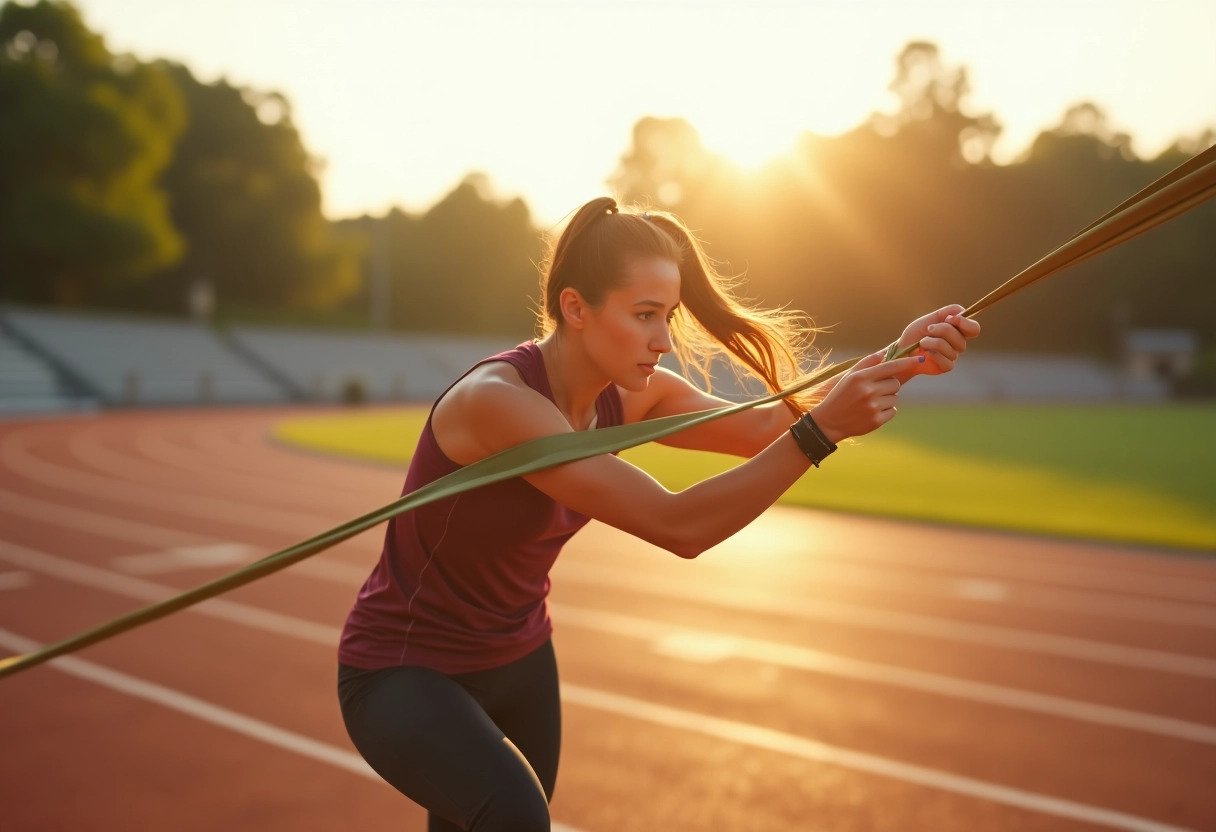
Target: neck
573,378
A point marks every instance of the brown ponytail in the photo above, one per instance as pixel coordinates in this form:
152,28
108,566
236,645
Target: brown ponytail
591,255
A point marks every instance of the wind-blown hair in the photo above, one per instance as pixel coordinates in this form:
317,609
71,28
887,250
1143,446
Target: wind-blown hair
600,241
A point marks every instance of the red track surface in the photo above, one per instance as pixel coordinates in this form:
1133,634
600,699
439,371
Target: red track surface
815,672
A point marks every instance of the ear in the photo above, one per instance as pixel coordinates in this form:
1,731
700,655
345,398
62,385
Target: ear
573,308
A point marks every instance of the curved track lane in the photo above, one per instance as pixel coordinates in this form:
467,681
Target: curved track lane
814,672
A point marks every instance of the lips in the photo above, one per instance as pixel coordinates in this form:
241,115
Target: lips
648,369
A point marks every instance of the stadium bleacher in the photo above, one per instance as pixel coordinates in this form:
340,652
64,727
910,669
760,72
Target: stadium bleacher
133,360
55,361
1033,379
329,366
29,383
986,377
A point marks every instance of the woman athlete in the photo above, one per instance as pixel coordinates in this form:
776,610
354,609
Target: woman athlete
447,678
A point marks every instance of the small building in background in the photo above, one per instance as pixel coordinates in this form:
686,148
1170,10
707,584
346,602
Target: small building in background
1159,354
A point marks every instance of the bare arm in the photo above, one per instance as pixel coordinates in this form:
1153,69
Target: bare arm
491,410
742,434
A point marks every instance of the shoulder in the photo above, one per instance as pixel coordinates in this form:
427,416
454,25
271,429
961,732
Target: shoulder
495,375
493,387
490,409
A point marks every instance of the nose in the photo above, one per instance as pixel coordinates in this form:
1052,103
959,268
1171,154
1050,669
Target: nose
661,341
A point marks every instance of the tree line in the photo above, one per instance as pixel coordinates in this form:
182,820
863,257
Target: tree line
908,210
123,183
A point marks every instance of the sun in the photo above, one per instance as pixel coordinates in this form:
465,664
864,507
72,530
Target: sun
751,141
752,130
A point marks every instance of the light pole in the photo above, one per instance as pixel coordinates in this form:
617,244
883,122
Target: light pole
200,299
379,289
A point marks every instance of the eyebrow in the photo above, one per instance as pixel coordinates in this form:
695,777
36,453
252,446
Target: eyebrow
656,304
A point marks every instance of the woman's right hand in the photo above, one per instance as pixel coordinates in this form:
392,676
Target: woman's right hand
864,398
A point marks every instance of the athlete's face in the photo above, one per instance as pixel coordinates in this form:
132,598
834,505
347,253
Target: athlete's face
628,332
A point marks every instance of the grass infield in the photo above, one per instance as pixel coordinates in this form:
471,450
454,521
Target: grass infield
1130,474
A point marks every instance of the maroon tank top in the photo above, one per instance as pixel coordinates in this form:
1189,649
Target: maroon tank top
461,583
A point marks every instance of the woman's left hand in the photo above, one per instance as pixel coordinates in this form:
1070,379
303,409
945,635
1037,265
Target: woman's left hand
942,336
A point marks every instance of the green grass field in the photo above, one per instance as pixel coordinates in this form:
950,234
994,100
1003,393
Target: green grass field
1120,473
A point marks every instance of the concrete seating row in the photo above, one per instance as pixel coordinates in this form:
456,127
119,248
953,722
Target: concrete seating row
988,377
29,385
58,360
341,366
133,360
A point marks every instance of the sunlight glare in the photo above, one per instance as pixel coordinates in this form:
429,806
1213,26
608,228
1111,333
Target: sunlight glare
753,140
774,90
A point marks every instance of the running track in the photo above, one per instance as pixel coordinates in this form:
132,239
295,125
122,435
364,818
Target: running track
816,672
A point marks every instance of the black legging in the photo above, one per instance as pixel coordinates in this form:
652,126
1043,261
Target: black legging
477,750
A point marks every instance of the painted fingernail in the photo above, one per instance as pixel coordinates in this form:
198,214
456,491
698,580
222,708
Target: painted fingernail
921,359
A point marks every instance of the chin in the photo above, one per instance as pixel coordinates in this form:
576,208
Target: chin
633,382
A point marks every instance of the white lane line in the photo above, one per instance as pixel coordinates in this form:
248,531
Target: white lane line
143,590
145,534
828,573
686,645
1071,601
1019,592
195,707
823,569
707,646
900,623
166,451
770,740
731,731
94,522
16,455
751,601
981,589
206,711
722,645
153,459
15,580
738,732
89,447
186,557
1086,566
1092,603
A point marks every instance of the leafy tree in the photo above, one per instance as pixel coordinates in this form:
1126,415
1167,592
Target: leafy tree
467,265
931,113
84,135
664,164
245,196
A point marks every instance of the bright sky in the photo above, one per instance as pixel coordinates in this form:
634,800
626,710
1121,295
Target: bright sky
402,98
